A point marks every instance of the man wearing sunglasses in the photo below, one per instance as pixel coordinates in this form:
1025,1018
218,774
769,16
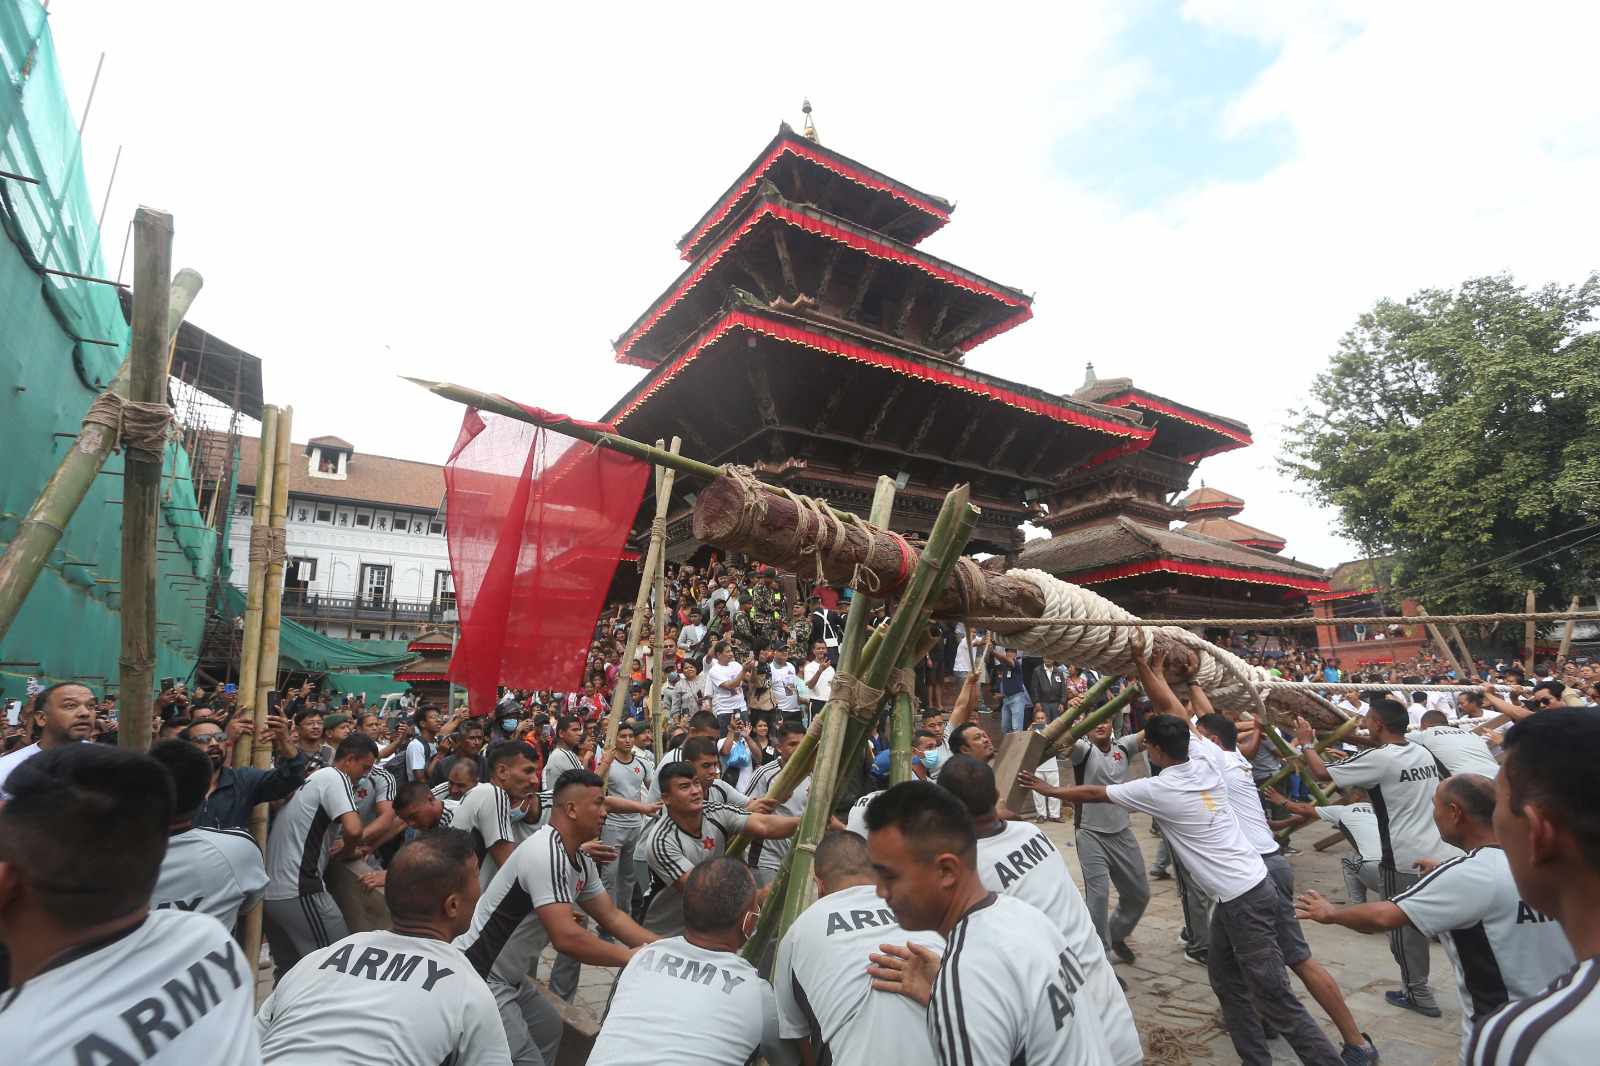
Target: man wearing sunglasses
235,790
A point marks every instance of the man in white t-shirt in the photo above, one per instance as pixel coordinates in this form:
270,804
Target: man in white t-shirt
818,677
725,677
300,916
1401,778
435,1008
1417,708
214,871
1017,859
786,686
503,811
63,714
1459,750
96,976
1357,823
693,998
1009,987
1501,948
825,997
1190,804
1545,799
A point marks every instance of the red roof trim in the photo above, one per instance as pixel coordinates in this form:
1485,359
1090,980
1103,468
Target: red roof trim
429,645
1217,505
1262,542
871,246
823,342
1174,566
1347,594
421,677
1115,452
805,150
1133,399
628,556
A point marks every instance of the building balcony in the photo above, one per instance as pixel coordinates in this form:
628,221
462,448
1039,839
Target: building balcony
303,606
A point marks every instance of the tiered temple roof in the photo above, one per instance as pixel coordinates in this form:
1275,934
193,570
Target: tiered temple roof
1212,513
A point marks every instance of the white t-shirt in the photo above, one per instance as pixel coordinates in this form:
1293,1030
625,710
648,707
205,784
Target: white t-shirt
1010,991
725,700
1359,825
383,997
856,820
1416,711
681,1005
1462,752
1558,1026
629,780
172,991
1400,780
1500,948
490,815
1190,803
785,687
672,852
824,991
1243,797
377,787
506,933
214,871
822,687
418,752
771,853
11,760
1020,861
297,846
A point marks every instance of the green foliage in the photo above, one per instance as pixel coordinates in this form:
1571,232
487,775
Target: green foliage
1458,428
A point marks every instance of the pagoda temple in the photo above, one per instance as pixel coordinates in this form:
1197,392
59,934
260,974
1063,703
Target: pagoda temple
809,338
428,673
1110,523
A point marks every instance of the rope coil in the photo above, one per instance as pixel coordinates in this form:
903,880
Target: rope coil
141,428
861,699
268,545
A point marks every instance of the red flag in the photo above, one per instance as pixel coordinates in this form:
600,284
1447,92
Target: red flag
536,524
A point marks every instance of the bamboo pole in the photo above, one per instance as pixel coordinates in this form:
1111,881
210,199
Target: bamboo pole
1078,707
260,522
1530,634
619,694
1566,633
1441,643
1466,653
41,530
1286,753
1087,723
1335,737
141,483
902,734
658,674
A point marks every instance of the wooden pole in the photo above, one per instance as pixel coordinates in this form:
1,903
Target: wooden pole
260,522
272,590
141,483
1461,645
1442,644
1566,633
1085,703
1087,723
1530,634
41,530
1290,766
658,673
619,694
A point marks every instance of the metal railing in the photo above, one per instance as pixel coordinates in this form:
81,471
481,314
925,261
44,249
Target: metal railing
300,605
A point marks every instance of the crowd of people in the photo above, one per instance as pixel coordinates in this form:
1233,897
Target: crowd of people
440,852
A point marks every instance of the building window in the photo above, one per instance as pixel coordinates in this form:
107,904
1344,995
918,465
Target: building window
369,634
374,585
364,519
327,462
325,516
244,505
436,527
444,591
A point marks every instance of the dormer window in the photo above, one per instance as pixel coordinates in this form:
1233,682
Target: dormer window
328,457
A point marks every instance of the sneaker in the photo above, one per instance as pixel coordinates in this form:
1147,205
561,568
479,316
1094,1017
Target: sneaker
1195,955
1363,1054
1121,950
1158,874
1403,999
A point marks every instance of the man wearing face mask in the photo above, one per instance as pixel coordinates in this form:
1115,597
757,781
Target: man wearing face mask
696,990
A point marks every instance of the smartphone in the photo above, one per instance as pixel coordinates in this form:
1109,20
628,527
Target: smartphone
167,683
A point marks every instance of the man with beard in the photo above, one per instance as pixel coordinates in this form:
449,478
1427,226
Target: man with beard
214,871
63,714
235,790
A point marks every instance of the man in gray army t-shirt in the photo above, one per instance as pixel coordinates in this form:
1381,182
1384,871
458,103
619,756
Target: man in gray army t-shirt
1108,851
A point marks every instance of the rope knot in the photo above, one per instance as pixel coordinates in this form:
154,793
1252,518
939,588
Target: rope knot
141,428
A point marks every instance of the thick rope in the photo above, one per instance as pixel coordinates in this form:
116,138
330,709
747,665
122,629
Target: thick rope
860,698
268,545
1237,623
141,428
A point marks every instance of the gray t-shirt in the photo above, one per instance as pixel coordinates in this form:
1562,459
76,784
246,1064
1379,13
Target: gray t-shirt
1095,767
630,781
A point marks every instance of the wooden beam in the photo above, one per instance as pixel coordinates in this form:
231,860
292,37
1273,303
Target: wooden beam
864,282
780,241
966,438
830,407
828,263
974,469
937,324
923,427
908,304
748,269
1005,442
895,392
761,387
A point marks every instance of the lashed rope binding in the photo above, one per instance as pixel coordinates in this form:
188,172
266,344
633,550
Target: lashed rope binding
141,428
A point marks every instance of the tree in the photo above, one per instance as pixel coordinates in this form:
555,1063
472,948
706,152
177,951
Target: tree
1460,432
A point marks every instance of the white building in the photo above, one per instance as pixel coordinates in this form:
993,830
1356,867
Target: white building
365,540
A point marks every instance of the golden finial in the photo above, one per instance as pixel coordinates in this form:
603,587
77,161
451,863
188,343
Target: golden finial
810,130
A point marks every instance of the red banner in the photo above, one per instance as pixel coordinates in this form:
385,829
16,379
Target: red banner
536,522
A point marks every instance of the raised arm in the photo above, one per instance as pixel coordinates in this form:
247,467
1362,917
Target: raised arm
1155,686
1378,917
1306,739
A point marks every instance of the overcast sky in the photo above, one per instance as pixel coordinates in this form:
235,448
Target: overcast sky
1202,196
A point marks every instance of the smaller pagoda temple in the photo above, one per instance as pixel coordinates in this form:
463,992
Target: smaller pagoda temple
429,673
1111,523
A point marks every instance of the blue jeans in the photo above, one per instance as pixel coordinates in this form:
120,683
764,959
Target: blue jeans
1013,712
